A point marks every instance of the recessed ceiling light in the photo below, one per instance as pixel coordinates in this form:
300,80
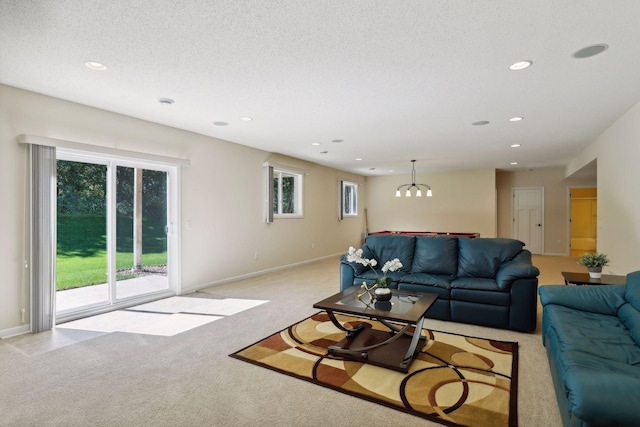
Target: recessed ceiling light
246,118
480,123
516,119
94,65
337,140
515,145
220,123
358,159
315,143
513,163
521,65
165,101
589,51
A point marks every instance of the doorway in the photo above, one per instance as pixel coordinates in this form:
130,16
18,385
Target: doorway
114,243
583,220
528,213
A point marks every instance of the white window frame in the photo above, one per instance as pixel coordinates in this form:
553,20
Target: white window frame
352,203
298,192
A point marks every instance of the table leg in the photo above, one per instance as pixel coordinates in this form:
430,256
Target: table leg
393,327
338,325
414,343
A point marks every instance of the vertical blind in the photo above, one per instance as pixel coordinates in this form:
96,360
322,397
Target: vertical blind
43,237
269,194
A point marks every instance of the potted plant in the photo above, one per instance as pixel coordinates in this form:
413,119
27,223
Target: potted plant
594,263
382,292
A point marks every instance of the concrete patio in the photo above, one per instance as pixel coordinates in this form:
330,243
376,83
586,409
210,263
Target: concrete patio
73,299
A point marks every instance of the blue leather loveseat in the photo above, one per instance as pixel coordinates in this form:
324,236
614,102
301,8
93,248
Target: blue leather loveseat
592,338
483,281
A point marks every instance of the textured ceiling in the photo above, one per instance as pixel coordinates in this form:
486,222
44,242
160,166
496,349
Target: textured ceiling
394,80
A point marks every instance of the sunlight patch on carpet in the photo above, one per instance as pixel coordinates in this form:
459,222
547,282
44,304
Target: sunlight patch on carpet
166,317
220,307
140,322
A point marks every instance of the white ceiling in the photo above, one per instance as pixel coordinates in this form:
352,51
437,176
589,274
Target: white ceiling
395,80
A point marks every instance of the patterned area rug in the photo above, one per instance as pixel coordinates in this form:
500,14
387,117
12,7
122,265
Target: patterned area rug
455,380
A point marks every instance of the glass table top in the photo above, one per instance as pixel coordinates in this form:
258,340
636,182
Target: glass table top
406,306
399,303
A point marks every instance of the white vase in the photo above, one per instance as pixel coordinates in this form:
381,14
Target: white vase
595,272
382,294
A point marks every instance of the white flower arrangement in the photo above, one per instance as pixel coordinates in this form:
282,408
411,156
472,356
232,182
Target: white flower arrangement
392,265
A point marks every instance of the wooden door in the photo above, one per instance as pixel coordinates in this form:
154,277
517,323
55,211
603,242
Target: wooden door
528,214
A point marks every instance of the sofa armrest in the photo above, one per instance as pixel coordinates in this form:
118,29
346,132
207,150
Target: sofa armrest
347,275
511,271
605,299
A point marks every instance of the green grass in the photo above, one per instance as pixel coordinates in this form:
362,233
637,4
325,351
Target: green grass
82,256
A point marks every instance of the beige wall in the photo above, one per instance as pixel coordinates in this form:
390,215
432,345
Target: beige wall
556,203
463,201
222,242
617,151
222,196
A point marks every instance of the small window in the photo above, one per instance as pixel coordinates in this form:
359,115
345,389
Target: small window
287,194
349,199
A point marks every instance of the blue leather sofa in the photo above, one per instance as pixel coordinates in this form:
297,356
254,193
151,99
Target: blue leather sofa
592,338
483,281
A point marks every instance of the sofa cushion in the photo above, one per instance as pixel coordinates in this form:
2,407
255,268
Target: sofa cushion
475,283
481,297
439,281
385,247
436,255
371,275
591,389
481,257
605,395
600,335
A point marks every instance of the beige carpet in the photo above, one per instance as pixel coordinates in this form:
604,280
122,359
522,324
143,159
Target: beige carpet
454,380
79,378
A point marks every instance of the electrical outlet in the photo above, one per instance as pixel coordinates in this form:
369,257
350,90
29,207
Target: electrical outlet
313,245
255,255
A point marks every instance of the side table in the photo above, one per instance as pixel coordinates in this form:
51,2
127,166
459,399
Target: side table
585,279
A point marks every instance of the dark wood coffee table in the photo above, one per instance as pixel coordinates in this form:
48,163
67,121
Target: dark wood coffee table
585,279
392,349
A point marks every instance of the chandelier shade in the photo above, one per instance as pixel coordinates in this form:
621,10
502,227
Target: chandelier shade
418,187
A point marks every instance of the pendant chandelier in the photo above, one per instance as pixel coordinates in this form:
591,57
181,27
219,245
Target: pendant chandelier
413,184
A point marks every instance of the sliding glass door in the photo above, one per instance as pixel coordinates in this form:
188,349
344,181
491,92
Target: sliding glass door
113,223
141,225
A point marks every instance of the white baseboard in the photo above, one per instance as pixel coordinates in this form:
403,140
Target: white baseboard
555,254
12,332
195,288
